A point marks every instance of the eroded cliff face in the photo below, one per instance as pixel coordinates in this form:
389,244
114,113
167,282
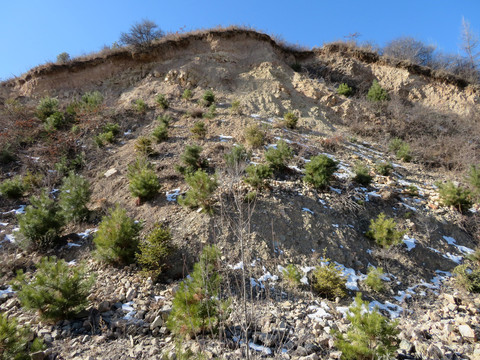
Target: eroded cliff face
254,67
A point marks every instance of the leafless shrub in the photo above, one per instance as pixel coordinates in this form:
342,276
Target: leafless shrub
408,48
141,35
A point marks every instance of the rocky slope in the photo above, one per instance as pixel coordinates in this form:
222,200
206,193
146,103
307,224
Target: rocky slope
291,223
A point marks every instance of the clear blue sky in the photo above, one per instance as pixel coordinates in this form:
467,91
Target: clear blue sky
36,31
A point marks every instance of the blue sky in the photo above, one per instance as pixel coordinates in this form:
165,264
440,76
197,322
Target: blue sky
36,31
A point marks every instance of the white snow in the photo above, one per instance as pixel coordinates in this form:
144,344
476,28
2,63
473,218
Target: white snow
351,276
20,210
295,168
267,276
320,312
286,140
393,310
127,306
263,349
308,210
255,116
11,237
455,258
409,207
462,249
237,266
225,138
71,244
8,290
409,241
87,233
172,194
338,191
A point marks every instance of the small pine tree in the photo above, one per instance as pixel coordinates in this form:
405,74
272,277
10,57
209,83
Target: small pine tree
54,121
362,174
208,98
328,281
236,108
196,307
377,93
14,340
290,120
117,240
140,106
278,157
192,160
12,188
319,171
57,291
374,279
92,100
257,174
370,335
237,158
384,168
467,276
187,94
198,130
473,178
201,190
143,145
384,231
291,275
41,223
254,136
453,195
211,112
74,196
154,250
47,107
160,133
344,90
144,182
162,101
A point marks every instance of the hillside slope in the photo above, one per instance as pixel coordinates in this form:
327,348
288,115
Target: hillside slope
289,221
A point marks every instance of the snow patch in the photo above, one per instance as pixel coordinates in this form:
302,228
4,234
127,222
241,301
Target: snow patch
409,241
237,266
263,349
352,277
172,194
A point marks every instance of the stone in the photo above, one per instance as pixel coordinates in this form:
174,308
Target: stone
131,293
39,355
434,352
110,172
158,322
335,354
467,332
104,306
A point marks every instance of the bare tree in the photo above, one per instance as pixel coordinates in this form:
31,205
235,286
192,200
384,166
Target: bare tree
407,48
470,44
141,35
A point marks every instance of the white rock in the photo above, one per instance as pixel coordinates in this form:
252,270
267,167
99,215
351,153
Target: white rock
158,322
466,331
131,293
110,172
